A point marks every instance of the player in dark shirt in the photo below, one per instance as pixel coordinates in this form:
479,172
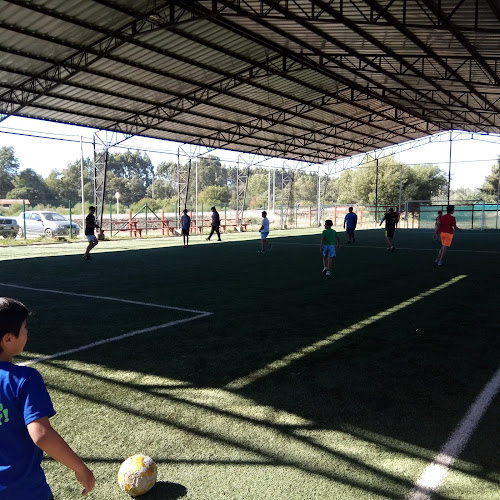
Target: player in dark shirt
391,219
90,225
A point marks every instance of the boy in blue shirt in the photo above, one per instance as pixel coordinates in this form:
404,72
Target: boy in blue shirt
185,225
329,244
25,409
351,219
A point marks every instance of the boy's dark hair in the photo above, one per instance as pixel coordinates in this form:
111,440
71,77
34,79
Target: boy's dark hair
185,211
12,315
264,213
350,209
391,209
450,208
328,222
91,208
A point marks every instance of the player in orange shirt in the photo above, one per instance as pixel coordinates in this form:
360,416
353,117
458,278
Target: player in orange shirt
446,225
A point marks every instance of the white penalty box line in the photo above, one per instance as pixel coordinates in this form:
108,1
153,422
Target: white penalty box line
199,314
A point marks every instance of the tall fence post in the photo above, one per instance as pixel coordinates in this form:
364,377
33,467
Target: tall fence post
24,218
110,219
146,208
70,221
201,232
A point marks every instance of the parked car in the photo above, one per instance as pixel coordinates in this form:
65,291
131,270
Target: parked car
45,223
8,227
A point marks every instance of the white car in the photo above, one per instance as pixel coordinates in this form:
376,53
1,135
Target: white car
45,223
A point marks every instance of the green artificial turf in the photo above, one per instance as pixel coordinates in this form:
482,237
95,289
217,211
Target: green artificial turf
295,386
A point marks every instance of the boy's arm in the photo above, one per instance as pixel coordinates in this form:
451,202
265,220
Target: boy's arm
49,440
344,220
383,219
322,241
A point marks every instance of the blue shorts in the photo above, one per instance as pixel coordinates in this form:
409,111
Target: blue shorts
91,237
350,229
329,251
263,235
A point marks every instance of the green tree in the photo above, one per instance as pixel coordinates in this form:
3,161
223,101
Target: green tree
211,172
489,189
132,165
345,188
214,195
30,185
9,166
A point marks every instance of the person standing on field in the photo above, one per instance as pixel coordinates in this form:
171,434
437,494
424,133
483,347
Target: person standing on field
446,225
90,226
351,220
264,232
185,225
391,219
215,224
329,245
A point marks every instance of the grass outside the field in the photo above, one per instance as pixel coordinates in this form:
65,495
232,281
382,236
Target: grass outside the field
368,372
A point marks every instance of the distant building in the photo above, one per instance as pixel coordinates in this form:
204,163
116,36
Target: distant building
5,203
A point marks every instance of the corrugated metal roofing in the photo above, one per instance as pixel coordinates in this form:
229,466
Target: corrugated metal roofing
303,80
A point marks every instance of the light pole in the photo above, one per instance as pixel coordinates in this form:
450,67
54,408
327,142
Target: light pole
117,196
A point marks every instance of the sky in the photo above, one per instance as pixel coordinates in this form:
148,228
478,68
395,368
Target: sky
471,159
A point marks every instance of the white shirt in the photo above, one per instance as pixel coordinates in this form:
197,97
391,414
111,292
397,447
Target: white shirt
265,225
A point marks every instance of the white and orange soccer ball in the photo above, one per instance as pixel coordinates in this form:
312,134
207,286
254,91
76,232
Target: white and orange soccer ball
137,475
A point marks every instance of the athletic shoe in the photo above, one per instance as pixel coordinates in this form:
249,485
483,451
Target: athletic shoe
328,273
260,251
392,249
440,263
86,257
324,270
207,239
348,242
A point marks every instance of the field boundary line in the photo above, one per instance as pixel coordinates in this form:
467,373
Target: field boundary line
126,301
436,472
113,339
301,353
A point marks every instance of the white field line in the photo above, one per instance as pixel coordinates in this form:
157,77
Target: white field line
398,248
125,301
113,339
436,472
301,353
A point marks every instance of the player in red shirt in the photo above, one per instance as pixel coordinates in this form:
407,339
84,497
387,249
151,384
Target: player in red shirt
446,225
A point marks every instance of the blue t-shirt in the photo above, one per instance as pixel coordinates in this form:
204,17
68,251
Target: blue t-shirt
23,399
351,219
185,221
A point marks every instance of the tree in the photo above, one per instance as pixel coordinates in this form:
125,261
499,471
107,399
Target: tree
211,172
345,188
489,189
306,188
214,195
9,165
30,185
132,165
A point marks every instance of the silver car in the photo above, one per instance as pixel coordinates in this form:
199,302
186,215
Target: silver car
8,227
45,223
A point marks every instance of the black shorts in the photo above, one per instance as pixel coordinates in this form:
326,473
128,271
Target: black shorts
389,231
185,231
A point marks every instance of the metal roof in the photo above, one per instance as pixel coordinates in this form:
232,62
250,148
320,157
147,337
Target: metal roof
303,80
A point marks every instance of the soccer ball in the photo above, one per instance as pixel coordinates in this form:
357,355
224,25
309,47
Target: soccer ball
137,475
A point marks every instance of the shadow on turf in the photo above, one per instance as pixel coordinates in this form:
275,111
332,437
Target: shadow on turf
164,490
